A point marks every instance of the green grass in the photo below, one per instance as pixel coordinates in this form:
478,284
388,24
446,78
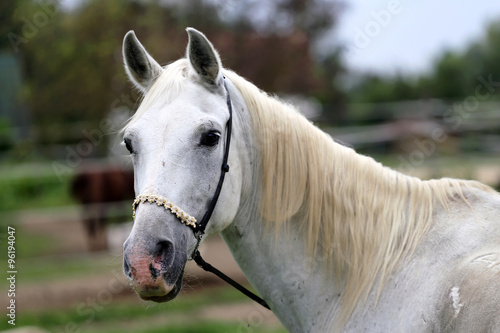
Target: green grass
28,244
180,315
45,190
53,268
33,192
204,327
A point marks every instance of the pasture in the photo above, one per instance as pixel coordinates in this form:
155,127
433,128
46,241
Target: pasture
62,287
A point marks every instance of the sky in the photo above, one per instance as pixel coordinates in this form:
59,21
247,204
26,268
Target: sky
391,36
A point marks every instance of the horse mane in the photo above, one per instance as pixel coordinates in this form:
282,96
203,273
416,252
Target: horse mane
364,218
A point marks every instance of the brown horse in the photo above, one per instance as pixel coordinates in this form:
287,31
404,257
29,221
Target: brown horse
98,189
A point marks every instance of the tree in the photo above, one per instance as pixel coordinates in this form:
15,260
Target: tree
454,75
73,66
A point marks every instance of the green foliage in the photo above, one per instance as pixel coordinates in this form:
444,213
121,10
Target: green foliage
73,64
179,315
378,89
449,78
5,134
454,75
33,192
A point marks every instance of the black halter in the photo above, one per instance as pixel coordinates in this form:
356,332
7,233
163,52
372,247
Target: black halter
199,228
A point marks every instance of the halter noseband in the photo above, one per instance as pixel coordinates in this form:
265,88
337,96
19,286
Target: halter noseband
190,221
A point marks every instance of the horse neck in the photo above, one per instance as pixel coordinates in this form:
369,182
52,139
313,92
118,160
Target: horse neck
361,218
276,267
284,245
280,270
297,283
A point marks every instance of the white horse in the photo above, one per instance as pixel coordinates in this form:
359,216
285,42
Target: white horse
331,239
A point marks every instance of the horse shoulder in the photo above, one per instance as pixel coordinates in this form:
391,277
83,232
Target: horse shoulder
453,276
470,299
471,303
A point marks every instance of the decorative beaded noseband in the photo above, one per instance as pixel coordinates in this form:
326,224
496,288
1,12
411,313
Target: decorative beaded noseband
167,204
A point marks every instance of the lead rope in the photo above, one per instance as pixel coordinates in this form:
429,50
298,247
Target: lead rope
209,268
199,228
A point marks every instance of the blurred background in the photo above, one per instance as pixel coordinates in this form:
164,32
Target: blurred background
413,84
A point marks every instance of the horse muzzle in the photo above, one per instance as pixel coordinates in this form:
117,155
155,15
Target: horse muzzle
154,268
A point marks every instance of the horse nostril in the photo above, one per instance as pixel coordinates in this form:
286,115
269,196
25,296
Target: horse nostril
126,268
163,258
154,262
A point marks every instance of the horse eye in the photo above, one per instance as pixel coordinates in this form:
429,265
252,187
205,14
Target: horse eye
128,145
210,139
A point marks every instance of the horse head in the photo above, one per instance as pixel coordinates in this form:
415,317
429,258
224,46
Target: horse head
177,143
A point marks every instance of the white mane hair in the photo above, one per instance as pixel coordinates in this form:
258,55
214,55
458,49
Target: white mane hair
363,217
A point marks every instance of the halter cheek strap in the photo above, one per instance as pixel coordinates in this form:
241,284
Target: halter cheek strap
190,221
199,230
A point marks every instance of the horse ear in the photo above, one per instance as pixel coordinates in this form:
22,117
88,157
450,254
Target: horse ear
203,57
141,68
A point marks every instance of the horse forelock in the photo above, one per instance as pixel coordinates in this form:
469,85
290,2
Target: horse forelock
167,86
